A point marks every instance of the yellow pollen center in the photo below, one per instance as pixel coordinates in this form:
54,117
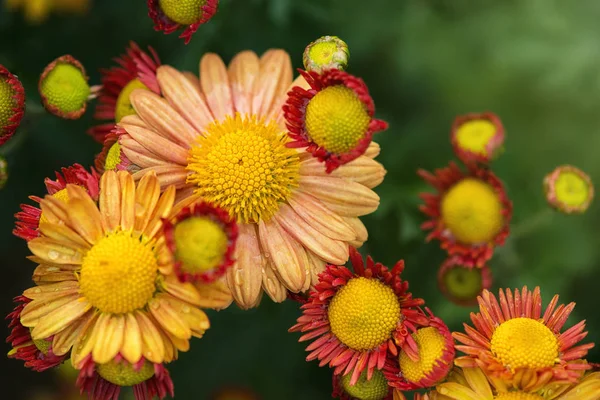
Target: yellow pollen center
374,389
184,12
124,107
61,195
475,135
518,395
65,87
201,244
123,374
243,166
336,119
7,102
118,274
364,313
524,343
431,345
463,283
571,189
322,53
472,211
113,157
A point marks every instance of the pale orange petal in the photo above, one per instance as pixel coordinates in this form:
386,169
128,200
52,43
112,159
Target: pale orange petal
373,150
134,119
60,318
243,71
131,349
54,252
361,231
244,277
163,148
317,265
181,290
110,201
64,340
272,286
109,333
84,342
127,200
45,273
52,291
215,295
64,235
193,79
215,85
84,216
166,312
36,310
147,194
161,210
275,77
54,210
363,170
167,175
138,154
153,347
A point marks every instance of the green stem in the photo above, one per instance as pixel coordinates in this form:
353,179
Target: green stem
533,223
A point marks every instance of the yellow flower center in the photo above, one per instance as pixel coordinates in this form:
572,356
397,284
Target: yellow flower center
243,166
113,157
7,102
118,274
571,189
374,389
201,244
322,53
123,107
475,135
336,119
65,87
463,283
518,395
123,374
524,343
364,313
431,345
472,211
184,12
61,195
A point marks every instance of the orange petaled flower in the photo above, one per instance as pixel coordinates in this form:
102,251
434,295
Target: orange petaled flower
222,137
333,119
29,218
37,354
469,214
358,319
461,284
376,388
477,137
472,383
569,189
136,69
435,348
12,104
172,15
104,382
512,341
111,158
202,240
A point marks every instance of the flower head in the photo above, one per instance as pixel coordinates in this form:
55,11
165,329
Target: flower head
221,137
12,104
469,214
477,137
358,319
111,158
136,69
3,172
512,340
333,119
376,388
37,354
327,52
172,15
569,189
29,218
461,284
37,11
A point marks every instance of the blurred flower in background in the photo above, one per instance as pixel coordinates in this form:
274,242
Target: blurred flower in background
12,104
37,11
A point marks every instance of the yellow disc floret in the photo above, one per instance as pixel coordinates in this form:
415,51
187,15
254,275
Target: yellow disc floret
322,53
113,157
364,313
431,345
374,389
184,12
475,135
7,102
336,119
200,244
61,195
243,166
124,107
65,88
472,211
463,283
524,343
122,373
571,189
118,274
518,395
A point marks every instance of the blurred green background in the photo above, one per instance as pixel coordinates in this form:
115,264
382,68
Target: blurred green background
535,63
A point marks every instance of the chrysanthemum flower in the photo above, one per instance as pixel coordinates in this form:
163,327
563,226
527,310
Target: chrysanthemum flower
29,218
358,319
37,354
569,189
104,381
104,292
327,52
512,340
469,214
376,388
172,15
12,104
222,137
477,137
136,70
37,11
333,119
3,172
111,158
462,284
64,88
472,383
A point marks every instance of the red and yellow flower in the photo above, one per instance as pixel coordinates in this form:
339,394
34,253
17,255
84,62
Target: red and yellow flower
111,158
357,319
512,341
333,119
469,214
376,388
327,52
477,137
172,15
12,104
461,284
569,189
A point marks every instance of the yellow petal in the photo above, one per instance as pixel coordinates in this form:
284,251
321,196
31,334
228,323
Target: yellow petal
54,252
131,349
60,318
478,382
182,290
127,200
162,210
35,310
153,348
244,277
64,235
54,210
457,391
215,86
84,342
64,340
146,198
243,72
85,218
110,201
272,286
109,334
215,295
45,274
165,311
46,293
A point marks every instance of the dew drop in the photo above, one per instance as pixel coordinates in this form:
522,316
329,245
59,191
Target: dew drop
53,254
